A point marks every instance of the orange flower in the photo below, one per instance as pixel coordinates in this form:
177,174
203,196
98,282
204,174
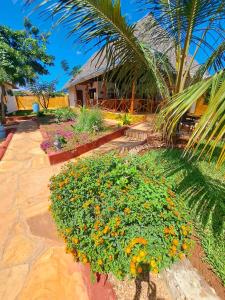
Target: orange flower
175,242
106,229
184,246
139,270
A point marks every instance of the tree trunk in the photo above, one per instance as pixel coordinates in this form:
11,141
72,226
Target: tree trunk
3,93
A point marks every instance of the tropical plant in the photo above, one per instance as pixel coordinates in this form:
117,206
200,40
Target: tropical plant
189,29
123,219
43,91
23,56
64,114
89,121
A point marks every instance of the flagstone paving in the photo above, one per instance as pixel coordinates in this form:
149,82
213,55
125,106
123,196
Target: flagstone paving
33,262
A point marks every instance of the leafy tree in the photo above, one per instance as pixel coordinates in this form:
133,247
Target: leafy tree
187,28
23,57
43,91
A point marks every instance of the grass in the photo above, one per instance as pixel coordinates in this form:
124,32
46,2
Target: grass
202,187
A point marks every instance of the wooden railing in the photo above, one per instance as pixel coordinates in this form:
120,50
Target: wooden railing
125,105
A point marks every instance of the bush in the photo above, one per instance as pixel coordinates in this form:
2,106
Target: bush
89,121
64,114
119,216
125,119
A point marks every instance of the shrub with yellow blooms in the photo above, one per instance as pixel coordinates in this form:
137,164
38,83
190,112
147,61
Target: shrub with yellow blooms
119,215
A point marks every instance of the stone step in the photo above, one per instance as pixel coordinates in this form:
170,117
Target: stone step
135,134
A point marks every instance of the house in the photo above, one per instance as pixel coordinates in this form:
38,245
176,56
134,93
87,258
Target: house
10,99
89,88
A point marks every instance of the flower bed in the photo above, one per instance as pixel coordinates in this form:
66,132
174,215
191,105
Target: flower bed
119,216
77,143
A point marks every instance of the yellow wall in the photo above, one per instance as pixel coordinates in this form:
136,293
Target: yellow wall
200,107
25,102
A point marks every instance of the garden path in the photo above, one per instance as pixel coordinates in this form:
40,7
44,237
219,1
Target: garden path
33,262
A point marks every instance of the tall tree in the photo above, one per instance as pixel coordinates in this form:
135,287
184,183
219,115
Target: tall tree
23,56
186,27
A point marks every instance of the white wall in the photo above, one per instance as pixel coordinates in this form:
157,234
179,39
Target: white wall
11,100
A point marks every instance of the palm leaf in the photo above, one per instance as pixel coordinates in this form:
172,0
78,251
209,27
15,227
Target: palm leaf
210,131
101,24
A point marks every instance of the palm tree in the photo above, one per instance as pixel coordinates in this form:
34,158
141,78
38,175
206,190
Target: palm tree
189,27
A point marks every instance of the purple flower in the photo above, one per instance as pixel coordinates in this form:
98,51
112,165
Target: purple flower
45,145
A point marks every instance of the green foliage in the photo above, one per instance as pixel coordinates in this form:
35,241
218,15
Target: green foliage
119,215
64,114
43,90
89,121
202,188
23,55
125,119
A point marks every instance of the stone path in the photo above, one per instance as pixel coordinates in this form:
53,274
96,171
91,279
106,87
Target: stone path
33,263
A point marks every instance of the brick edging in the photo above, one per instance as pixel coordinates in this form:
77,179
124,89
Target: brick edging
5,144
56,158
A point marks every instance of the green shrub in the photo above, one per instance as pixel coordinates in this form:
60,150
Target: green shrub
125,119
89,121
119,216
64,114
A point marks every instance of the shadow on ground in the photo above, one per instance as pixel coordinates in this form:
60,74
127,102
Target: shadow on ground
199,184
151,290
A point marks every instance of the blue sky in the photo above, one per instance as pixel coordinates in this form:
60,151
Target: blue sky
62,47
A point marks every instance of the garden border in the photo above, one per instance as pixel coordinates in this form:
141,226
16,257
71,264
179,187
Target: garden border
55,158
6,143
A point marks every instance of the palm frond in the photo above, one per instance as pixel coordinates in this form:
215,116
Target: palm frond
101,24
210,131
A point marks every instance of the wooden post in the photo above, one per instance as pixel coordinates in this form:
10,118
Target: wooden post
132,98
104,88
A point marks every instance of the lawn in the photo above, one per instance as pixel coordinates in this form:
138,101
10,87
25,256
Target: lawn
202,188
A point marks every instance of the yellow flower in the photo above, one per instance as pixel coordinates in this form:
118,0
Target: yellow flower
128,250
155,271
142,253
153,263
100,262
175,242
127,210
75,240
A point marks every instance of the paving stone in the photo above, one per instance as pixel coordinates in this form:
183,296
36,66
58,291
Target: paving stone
54,276
11,281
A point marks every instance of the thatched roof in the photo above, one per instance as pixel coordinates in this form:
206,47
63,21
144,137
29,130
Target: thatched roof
95,66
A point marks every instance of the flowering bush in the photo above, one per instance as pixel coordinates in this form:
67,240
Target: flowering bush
118,215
